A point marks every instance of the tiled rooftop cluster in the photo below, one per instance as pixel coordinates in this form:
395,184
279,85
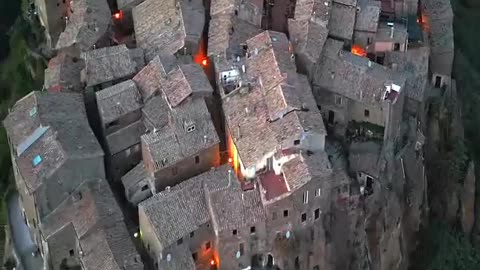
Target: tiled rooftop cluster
45,131
97,221
88,21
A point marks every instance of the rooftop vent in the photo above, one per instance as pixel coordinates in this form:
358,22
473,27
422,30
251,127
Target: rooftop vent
189,126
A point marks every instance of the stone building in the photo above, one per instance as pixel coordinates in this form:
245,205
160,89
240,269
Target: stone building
182,144
273,103
87,231
177,29
53,151
87,26
437,21
353,88
222,226
136,184
412,63
364,162
119,108
308,33
63,74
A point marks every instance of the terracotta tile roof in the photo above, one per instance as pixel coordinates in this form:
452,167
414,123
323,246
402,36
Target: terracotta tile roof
156,113
230,207
273,108
118,100
316,10
151,76
48,129
342,21
222,40
175,142
63,74
170,29
88,22
368,15
108,64
99,227
353,76
308,37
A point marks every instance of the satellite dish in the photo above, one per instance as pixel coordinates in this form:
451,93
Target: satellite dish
169,257
287,234
238,254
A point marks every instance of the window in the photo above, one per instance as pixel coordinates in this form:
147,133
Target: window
305,197
144,187
236,12
235,232
127,152
318,192
192,234
366,113
369,40
197,159
304,217
195,256
36,160
179,241
241,249
274,215
396,47
71,252
296,142
174,171
252,229
285,213
338,100
208,245
317,213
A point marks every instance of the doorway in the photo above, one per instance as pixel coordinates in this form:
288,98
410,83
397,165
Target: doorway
331,117
438,81
270,260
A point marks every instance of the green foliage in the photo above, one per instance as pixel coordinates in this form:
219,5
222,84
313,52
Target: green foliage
445,249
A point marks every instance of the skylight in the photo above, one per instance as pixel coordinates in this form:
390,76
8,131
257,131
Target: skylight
36,160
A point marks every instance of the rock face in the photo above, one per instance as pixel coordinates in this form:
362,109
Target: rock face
467,200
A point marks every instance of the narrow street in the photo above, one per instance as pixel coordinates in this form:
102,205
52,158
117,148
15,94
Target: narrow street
21,237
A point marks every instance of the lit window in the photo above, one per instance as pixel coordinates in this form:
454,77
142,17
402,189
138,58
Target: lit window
318,192
36,160
366,113
305,197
